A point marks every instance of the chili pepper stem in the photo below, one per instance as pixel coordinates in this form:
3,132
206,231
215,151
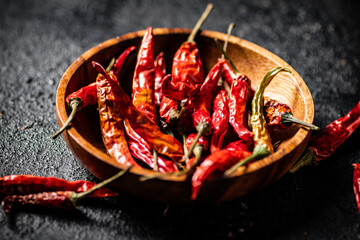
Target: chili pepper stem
287,117
226,56
259,152
77,196
185,149
75,105
111,64
156,166
229,31
200,22
201,128
306,159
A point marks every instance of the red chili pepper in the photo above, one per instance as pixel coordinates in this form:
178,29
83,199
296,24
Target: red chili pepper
187,69
220,120
202,145
26,184
202,141
356,184
144,77
87,95
111,121
64,200
238,100
168,106
162,143
218,161
278,116
160,72
323,143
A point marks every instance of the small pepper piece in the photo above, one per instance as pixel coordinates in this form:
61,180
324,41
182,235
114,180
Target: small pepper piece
87,95
323,143
279,116
220,120
27,184
162,143
218,161
144,77
187,69
63,200
356,184
262,141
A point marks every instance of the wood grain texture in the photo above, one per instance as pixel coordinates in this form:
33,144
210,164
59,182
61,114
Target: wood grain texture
84,138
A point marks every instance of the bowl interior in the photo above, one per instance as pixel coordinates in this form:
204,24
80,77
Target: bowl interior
249,58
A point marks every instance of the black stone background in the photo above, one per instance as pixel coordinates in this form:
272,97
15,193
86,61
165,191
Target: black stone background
40,39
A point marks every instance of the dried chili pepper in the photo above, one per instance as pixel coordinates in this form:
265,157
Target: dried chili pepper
218,161
111,121
201,146
63,200
220,120
144,77
168,107
278,116
162,143
160,72
87,95
26,184
202,107
356,184
323,143
187,69
262,141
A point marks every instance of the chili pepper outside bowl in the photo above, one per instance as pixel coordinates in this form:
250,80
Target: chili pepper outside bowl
84,136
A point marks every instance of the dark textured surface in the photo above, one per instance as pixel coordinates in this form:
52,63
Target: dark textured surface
40,39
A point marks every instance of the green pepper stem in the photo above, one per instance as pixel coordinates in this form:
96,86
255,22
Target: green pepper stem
306,159
111,64
229,31
200,22
226,56
77,196
287,117
259,152
75,105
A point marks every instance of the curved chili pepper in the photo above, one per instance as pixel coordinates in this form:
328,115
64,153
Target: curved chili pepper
160,72
144,77
219,120
323,143
168,106
238,99
111,121
218,161
356,184
162,143
263,146
64,200
187,69
87,95
26,184
278,116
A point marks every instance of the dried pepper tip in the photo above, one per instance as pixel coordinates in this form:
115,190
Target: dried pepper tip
229,31
288,118
200,22
74,197
259,152
75,105
307,158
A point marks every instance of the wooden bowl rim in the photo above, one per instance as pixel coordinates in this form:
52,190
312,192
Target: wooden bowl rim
282,151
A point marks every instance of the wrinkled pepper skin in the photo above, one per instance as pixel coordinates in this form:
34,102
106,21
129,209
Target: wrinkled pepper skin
160,72
162,143
228,73
111,121
187,73
27,184
238,100
204,98
167,105
144,77
273,111
220,120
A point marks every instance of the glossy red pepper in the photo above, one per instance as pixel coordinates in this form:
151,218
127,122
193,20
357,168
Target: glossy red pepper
220,120
238,100
160,72
111,121
27,184
218,161
168,106
323,143
144,77
162,143
356,184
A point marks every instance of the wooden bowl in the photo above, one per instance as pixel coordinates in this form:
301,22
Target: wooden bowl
85,141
